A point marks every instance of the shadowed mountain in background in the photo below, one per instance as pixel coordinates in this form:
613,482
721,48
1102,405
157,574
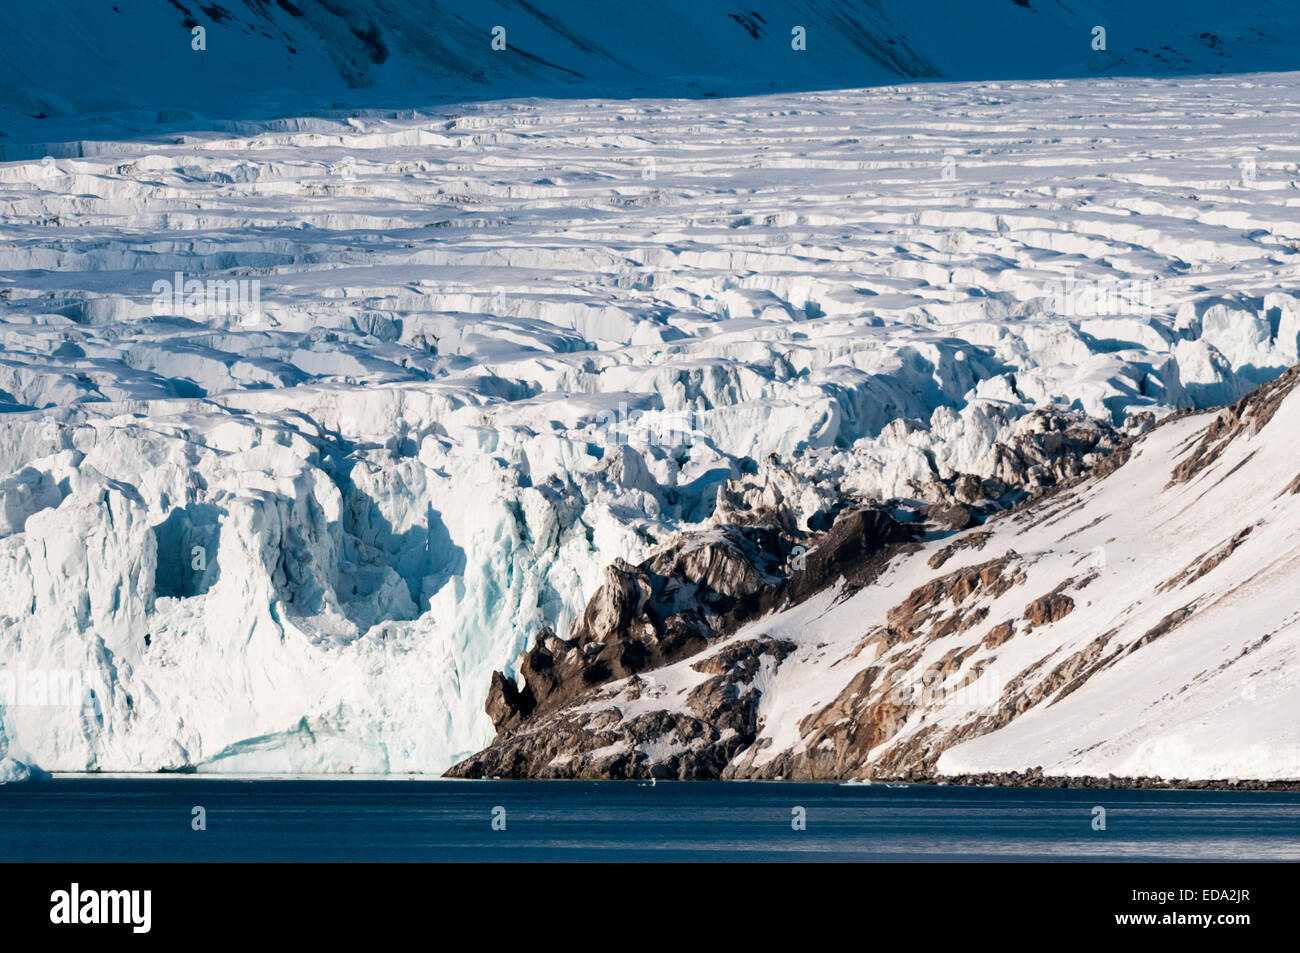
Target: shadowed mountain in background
268,56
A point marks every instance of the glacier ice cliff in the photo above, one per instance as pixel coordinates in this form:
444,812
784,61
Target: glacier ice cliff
491,356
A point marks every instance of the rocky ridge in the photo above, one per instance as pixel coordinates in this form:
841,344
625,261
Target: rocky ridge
561,716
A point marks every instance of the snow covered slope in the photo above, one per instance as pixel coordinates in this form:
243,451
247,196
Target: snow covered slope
282,56
1138,623
493,348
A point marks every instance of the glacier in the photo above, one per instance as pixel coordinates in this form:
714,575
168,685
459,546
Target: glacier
498,345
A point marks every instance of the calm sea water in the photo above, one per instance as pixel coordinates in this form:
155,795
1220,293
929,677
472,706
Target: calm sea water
149,818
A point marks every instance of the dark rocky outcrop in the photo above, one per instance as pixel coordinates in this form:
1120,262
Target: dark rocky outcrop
720,719
755,559
1053,607
684,597
590,705
1246,416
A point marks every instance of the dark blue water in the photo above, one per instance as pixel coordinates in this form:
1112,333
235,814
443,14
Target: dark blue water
120,819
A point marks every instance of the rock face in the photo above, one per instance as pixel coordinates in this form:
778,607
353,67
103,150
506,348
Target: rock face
1249,414
1083,632
689,595
718,720
682,599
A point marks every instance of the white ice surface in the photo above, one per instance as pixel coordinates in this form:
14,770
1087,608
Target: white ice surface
403,463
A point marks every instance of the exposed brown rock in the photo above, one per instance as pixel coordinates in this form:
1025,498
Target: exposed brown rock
1053,447
1053,607
596,741
587,706
966,541
999,634
1166,625
950,516
1206,562
1246,416
991,578
682,598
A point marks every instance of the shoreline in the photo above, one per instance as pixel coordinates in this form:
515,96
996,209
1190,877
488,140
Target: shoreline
1037,779
1013,779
